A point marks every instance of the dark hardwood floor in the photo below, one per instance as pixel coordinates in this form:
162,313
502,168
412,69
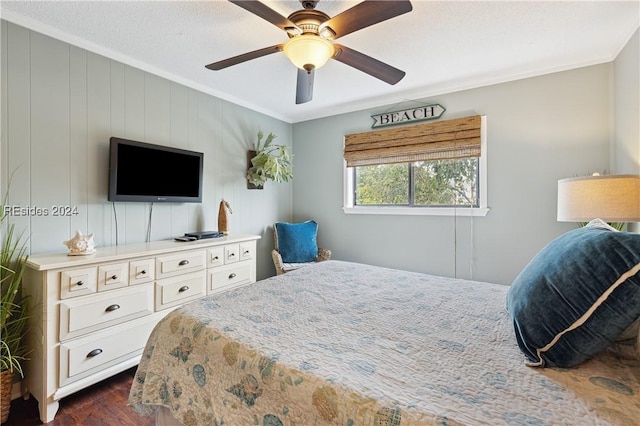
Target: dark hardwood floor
103,404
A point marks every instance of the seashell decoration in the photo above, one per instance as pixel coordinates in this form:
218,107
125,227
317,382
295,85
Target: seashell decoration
80,245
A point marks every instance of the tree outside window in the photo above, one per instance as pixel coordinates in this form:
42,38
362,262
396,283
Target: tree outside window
434,183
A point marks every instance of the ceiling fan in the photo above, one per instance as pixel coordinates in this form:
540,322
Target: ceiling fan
311,34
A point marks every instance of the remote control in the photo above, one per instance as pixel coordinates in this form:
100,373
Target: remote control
185,239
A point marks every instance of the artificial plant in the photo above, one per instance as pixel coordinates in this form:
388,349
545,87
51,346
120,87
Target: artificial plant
14,311
270,162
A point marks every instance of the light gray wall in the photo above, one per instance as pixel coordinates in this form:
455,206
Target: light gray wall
539,130
627,111
627,108
61,104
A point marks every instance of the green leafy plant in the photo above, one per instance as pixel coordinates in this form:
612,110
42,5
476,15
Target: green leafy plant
271,162
619,226
14,312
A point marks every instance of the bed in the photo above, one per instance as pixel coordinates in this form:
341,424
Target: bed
340,343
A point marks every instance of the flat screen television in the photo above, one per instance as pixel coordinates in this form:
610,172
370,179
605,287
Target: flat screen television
140,171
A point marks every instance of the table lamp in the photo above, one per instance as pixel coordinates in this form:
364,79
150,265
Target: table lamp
612,198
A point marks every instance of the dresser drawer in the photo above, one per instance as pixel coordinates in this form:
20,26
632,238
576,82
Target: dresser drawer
231,253
82,357
141,271
215,256
78,282
113,276
229,276
92,313
175,264
177,290
247,250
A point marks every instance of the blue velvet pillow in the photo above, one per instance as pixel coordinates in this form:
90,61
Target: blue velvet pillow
576,296
297,242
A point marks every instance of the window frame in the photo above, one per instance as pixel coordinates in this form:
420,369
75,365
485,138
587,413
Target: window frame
349,206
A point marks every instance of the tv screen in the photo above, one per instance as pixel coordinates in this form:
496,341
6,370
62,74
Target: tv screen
140,171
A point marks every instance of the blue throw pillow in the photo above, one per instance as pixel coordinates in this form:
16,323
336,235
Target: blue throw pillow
297,242
576,296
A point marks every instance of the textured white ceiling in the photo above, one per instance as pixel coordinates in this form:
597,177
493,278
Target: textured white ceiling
442,45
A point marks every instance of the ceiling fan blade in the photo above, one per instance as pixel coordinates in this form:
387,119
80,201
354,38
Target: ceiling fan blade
304,88
268,14
244,57
363,15
367,64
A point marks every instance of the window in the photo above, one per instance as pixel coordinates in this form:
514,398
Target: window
434,168
438,183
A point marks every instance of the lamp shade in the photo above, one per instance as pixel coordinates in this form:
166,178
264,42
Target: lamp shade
308,50
612,198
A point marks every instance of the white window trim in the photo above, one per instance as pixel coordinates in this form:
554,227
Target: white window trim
349,206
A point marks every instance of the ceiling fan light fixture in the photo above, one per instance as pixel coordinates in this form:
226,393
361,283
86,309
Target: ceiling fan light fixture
308,51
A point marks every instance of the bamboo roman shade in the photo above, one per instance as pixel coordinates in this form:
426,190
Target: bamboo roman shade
439,140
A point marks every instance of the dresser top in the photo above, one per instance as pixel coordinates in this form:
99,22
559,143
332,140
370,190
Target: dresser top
46,261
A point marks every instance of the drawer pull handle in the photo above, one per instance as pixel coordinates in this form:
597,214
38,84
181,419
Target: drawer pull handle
232,275
215,258
112,308
183,288
94,352
247,252
183,262
79,283
143,272
114,277
232,254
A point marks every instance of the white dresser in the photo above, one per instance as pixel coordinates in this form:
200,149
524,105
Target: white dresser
92,315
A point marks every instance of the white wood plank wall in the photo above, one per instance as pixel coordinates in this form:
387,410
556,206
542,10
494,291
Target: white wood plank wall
61,104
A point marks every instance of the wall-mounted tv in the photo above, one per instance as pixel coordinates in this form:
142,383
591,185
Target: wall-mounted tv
140,171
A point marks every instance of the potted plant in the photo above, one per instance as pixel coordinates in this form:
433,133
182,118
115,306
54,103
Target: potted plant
13,310
268,161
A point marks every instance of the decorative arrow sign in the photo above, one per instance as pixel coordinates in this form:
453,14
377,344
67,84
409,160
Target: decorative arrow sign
428,112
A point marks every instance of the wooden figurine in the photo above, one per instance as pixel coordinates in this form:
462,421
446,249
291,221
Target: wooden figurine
222,216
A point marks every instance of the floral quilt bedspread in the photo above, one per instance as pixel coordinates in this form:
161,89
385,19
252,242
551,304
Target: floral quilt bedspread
341,343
